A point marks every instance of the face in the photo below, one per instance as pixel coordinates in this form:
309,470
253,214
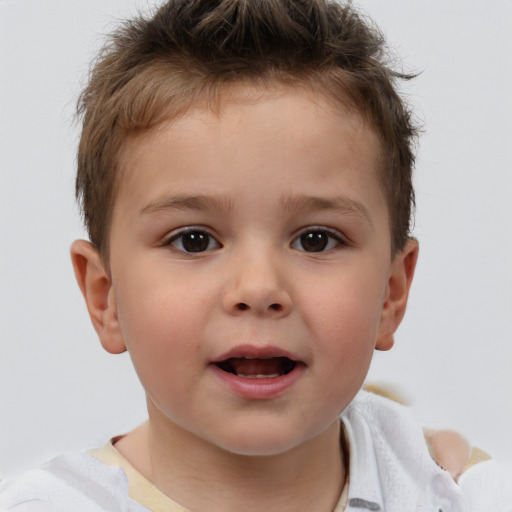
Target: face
251,270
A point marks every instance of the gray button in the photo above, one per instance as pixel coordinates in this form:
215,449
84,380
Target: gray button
360,503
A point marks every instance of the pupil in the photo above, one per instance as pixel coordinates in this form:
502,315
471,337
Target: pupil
314,242
195,241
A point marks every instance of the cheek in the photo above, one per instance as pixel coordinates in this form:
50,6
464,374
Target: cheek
350,306
352,319
162,331
348,335
346,324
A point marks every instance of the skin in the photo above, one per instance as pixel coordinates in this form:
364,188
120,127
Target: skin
450,450
255,179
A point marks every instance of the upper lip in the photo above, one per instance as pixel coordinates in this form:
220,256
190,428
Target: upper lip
255,352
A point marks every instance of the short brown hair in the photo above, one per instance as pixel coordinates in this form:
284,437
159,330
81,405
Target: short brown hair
154,69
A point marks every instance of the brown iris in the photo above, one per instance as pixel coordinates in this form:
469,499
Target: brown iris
315,241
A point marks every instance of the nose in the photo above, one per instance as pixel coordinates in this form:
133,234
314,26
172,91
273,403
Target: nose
258,288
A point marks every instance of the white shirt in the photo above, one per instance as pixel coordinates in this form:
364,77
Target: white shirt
390,470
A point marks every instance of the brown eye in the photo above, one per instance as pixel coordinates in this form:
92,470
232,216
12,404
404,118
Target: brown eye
317,240
314,242
193,242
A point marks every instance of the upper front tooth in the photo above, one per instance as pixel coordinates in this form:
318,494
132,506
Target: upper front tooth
258,376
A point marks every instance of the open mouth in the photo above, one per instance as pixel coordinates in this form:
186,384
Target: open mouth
257,368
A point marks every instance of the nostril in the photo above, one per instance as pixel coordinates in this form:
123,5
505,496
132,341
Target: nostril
274,307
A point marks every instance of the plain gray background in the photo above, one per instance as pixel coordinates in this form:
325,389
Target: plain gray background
453,356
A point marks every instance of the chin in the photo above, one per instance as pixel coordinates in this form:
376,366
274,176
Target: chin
257,447
262,440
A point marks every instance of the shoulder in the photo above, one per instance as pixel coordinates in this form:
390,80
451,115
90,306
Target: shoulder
75,481
385,435
487,486
388,453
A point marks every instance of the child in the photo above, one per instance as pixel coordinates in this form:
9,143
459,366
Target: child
245,177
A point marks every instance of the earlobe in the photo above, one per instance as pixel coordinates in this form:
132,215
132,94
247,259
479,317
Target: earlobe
399,283
96,287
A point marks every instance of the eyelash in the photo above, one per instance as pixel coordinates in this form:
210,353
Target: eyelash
332,241
179,235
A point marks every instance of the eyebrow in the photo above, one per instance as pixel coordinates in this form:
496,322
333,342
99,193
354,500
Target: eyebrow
342,205
187,202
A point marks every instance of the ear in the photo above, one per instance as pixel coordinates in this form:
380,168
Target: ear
399,283
96,286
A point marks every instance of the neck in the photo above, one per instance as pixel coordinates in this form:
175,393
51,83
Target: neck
200,476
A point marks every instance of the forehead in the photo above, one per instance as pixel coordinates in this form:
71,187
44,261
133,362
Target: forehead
258,131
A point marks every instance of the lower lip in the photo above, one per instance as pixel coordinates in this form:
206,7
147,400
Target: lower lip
262,388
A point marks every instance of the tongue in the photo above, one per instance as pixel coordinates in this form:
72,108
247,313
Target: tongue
254,368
